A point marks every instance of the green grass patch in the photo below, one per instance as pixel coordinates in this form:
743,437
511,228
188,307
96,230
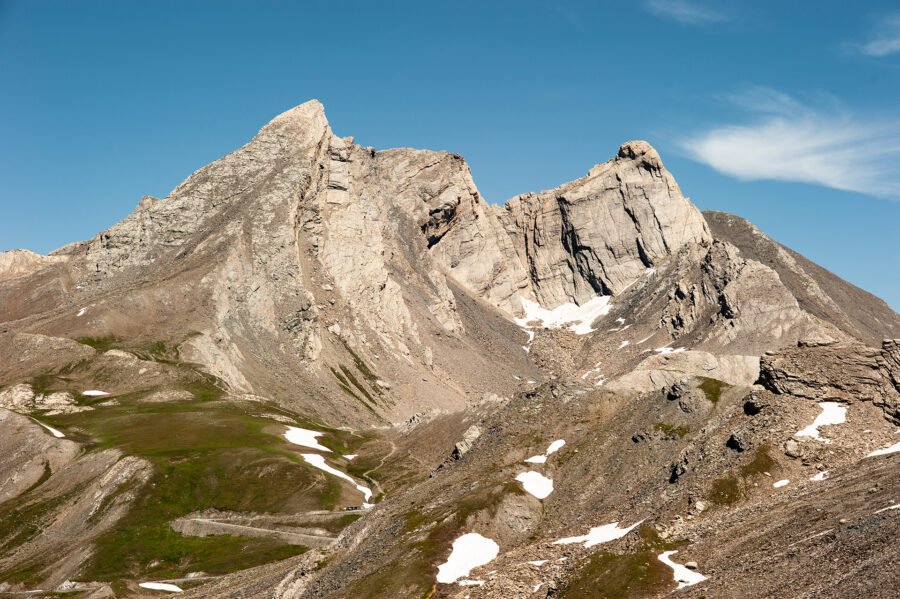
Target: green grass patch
344,384
100,343
615,576
157,351
725,491
205,456
205,389
762,462
713,388
671,430
430,536
357,384
44,384
651,540
363,369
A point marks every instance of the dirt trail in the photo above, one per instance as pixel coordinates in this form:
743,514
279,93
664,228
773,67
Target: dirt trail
204,526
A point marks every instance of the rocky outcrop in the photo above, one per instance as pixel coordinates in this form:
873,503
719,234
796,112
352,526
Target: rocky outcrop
890,360
82,500
22,398
21,263
599,234
734,302
664,370
828,371
28,454
819,292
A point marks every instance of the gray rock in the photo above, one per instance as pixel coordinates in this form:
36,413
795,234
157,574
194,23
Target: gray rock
792,449
847,372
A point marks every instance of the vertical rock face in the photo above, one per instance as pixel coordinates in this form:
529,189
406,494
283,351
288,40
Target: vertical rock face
595,235
843,371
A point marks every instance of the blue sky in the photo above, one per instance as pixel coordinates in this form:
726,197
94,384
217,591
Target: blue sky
787,113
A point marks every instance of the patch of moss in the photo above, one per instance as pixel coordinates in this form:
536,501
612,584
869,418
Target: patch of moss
615,576
725,491
205,389
362,367
356,383
670,430
73,367
344,384
44,384
762,462
158,351
713,388
651,540
100,343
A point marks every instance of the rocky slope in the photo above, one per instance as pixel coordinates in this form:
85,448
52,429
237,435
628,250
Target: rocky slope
819,292
155,381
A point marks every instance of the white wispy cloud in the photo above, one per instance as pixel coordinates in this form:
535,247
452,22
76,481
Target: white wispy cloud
685,11
791,141
886,39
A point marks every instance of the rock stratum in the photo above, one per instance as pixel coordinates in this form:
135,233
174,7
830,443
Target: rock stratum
315,366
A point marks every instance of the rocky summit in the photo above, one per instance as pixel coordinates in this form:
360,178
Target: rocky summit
321,370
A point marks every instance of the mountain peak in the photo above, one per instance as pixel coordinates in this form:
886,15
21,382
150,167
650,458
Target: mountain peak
307,116
637,148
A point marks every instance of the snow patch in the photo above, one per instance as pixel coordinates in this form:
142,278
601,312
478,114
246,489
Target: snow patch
161,586
552,448
537,562
81,312
683,576
832,413
536,483
471,583
52,430
351,456
624,343
820,476
318,461
577,319
781,483
470,551
885,451
668,350
896,506
555,446
304,437
96,393
599,534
